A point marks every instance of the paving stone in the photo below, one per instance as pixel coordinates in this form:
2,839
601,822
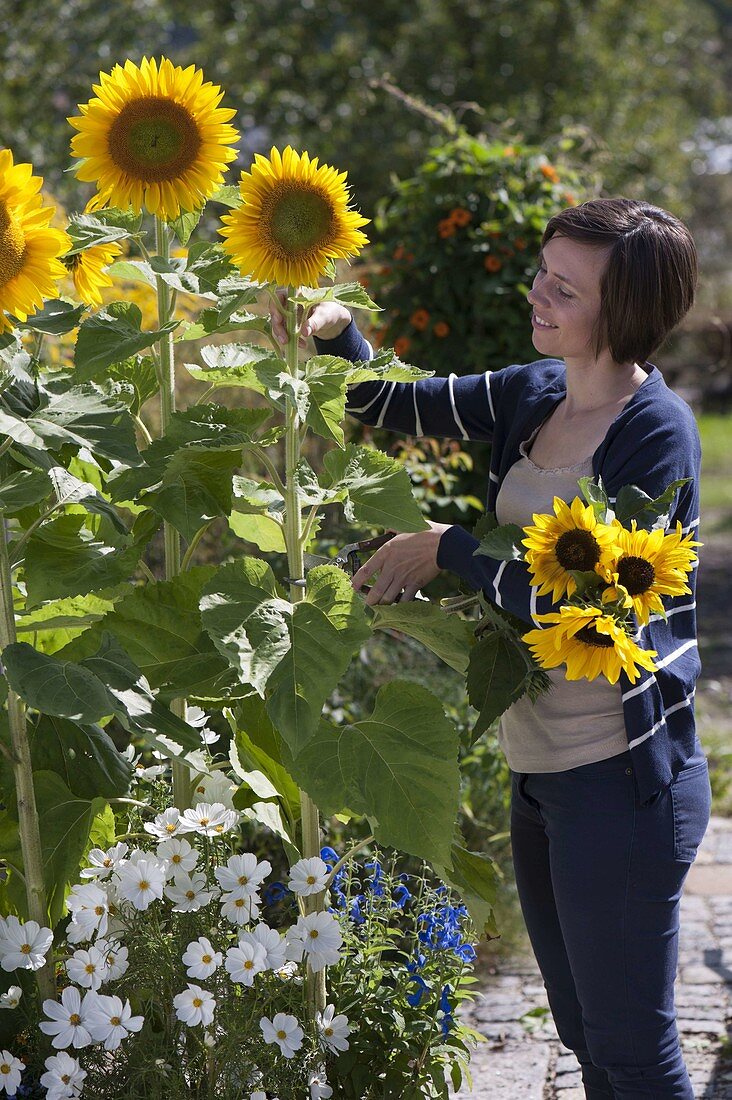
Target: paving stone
703,1027
570,1081
566,1063
516,1070
697,975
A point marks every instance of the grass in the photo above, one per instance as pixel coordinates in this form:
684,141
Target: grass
716,484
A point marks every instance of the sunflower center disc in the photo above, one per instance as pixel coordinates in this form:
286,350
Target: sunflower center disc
298,219
154,139
577,550
590,636
635,574
12,245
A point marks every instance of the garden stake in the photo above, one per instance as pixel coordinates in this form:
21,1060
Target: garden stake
28,828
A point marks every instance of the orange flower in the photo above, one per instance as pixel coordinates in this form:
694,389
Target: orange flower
506,250
409,257
446,228
398,252
386,270
492,263
401,345
569,198
509,151
550,173
461,216
420,319
520,244
441,329
494,233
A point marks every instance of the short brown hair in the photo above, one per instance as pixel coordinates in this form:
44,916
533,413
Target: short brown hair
650,278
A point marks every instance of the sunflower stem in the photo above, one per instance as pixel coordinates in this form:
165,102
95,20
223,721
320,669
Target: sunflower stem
28,825
181,776
310,843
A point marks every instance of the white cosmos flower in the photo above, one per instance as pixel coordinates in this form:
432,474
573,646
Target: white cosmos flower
111,1021
165,825
142,882
10,1071
209,819
11,998
319,1087
243,875
198,718
69,1020
239,910
139,769
87,968
64,1077
102,863
116,957
188,893
308,876
333,1029
178,853
270,939
200,959
216,788
89,908
318,935
284,1030
245,961
288,971
23,946
195,1006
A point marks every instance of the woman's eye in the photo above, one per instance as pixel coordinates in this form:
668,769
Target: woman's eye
542,268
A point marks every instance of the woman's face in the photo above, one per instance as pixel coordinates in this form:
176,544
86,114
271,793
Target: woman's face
566,293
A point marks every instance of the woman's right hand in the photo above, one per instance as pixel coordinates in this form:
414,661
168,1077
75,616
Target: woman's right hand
326,320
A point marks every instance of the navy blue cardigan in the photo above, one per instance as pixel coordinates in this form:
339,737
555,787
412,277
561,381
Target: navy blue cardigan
653,441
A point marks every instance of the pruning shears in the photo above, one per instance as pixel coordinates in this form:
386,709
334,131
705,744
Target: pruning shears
349,559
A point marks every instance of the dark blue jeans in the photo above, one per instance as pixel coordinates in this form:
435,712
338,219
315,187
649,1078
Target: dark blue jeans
599,880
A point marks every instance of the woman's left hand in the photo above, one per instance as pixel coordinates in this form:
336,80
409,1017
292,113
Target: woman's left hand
408,561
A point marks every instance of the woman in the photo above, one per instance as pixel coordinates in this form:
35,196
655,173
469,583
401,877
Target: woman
610,785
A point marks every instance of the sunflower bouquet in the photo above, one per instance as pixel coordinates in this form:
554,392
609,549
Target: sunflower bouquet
610,568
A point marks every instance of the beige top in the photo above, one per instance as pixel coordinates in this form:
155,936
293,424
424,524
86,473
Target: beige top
578,721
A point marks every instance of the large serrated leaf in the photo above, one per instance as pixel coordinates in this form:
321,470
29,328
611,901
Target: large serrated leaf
633,504
447,636
496,677
111,336
375,488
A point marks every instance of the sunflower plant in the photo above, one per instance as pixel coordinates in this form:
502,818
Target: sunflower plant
607,568
101,650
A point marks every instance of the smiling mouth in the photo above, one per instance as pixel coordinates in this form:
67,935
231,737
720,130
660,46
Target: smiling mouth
540,323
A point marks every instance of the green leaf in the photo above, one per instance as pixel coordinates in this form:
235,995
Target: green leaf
503,543
375,489
65,821
159,627
72,490
496,677
184,225
594,493
212,321
255,368
22,488
257,745
398,768
327,381
56,318
263,531
111,336
85,757
447,636
62,559
300,650
633,504
475,877
138,372
87,230
82,416
351,295
227,195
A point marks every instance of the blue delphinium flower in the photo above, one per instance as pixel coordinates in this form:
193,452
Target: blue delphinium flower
376,885
414,998
401,896
441,930
445,1008
276,891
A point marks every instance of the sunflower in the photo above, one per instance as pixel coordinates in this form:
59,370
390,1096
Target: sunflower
652,564
590,643
29,246
87,271
570,539
293,219
153,137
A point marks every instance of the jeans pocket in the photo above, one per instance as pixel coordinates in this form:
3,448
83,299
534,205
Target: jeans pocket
691,800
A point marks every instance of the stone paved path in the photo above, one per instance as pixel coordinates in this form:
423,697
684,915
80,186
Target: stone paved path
524,1059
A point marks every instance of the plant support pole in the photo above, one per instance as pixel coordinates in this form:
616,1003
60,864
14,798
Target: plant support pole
295,564
181,776
28,828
